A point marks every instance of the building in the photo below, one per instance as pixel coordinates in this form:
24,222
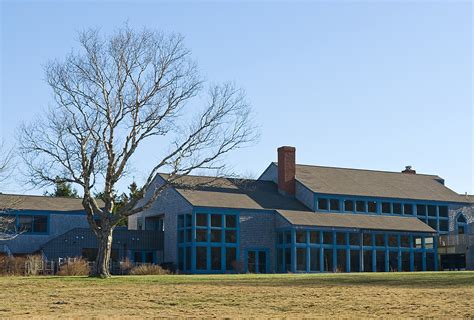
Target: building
57,228
302,218
293,218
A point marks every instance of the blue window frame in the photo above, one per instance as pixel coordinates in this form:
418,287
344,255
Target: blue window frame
33,224
208,241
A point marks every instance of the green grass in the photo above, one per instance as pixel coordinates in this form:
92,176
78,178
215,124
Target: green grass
442,294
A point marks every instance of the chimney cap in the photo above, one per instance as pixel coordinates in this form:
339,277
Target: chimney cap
409,169
287,148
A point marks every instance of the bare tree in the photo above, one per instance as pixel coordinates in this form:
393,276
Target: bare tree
113,95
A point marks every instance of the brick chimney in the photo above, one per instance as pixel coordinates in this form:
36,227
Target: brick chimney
286,170
409,170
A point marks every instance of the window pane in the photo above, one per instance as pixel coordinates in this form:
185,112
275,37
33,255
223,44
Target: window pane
322,204
341,238
181,236
368,257
149,257
280,238
137,257
432,211
26,223
314,259
251,262
367,239
327,237
372,206
216,220
40,224
262,262
355,260
420,210
188,258
201,235
397,208
287,237
418,261
181,221
429,242
341,260
279,267
380,261
301,236
189,235
201,258
231,221
230,258
8,223
188,220
354,239
433,223
443,225
314,236
360,206
430,263
334,204
181,258
201,219
230,236
327,263
380,240
392,240
405,261
443,211
386,207
216,258
288,259
216,235
393,261
349,205
408,208
301,259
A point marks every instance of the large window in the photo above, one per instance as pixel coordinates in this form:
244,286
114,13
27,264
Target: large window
214,239
33,223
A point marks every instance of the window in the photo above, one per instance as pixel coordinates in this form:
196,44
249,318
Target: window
368,239
216,235
33,224
432,211
314,259
421,210
230,258
433,223
349,205
443,225
354,239
327,237
201,220
341,238
231,221
341,260
201,258
408,209
216,263
334,205
301,236
216,220
380,240
443,211
386,207
405,241
201,235
372,206
322,204
301,259
327,263
314,236
360,206
392,240
397,208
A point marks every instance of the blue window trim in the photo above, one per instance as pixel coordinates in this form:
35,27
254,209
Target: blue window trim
17,214
281,247
257,261
208,244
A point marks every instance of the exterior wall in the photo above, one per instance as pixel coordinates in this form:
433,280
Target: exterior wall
270,174
58,223
257,231
305,196
169,204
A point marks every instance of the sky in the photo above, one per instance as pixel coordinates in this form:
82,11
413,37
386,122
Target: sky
371,85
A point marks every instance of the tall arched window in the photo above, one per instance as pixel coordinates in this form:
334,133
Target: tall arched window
461,224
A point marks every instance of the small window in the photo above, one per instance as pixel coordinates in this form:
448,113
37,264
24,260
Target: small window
421,210
334,204
201,219
349,205
231,221
301,236
360,206
216,220
408,209
40,224
322,204
386,207
397,208
372,206
443,211
432,211
314,236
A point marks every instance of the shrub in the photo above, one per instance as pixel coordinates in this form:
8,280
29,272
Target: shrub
77,267
12,266
148,269
33,265
126,265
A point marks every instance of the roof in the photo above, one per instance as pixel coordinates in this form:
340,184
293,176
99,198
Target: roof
384,184
356,221
43,203
233,193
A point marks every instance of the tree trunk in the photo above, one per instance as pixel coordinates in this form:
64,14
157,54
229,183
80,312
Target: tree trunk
102,262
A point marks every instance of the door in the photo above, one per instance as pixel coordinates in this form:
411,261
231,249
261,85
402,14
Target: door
257,261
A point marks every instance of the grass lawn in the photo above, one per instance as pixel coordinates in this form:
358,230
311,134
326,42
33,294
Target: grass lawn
444,294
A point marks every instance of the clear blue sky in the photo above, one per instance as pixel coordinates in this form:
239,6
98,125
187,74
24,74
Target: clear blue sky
353,84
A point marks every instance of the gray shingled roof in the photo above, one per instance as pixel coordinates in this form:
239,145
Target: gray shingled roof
357,182
233,193
357,221
27,202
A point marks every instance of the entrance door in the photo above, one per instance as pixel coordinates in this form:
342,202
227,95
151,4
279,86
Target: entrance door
257,261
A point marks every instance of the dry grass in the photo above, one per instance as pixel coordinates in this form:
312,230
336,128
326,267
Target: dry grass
148,269
440,295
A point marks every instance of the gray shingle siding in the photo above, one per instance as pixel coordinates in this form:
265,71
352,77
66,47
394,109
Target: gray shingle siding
270,174
58,224
305,196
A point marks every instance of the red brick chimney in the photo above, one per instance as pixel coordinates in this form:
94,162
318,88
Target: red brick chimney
409,170
286,170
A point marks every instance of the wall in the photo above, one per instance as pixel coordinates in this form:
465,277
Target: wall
305,196
59,223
